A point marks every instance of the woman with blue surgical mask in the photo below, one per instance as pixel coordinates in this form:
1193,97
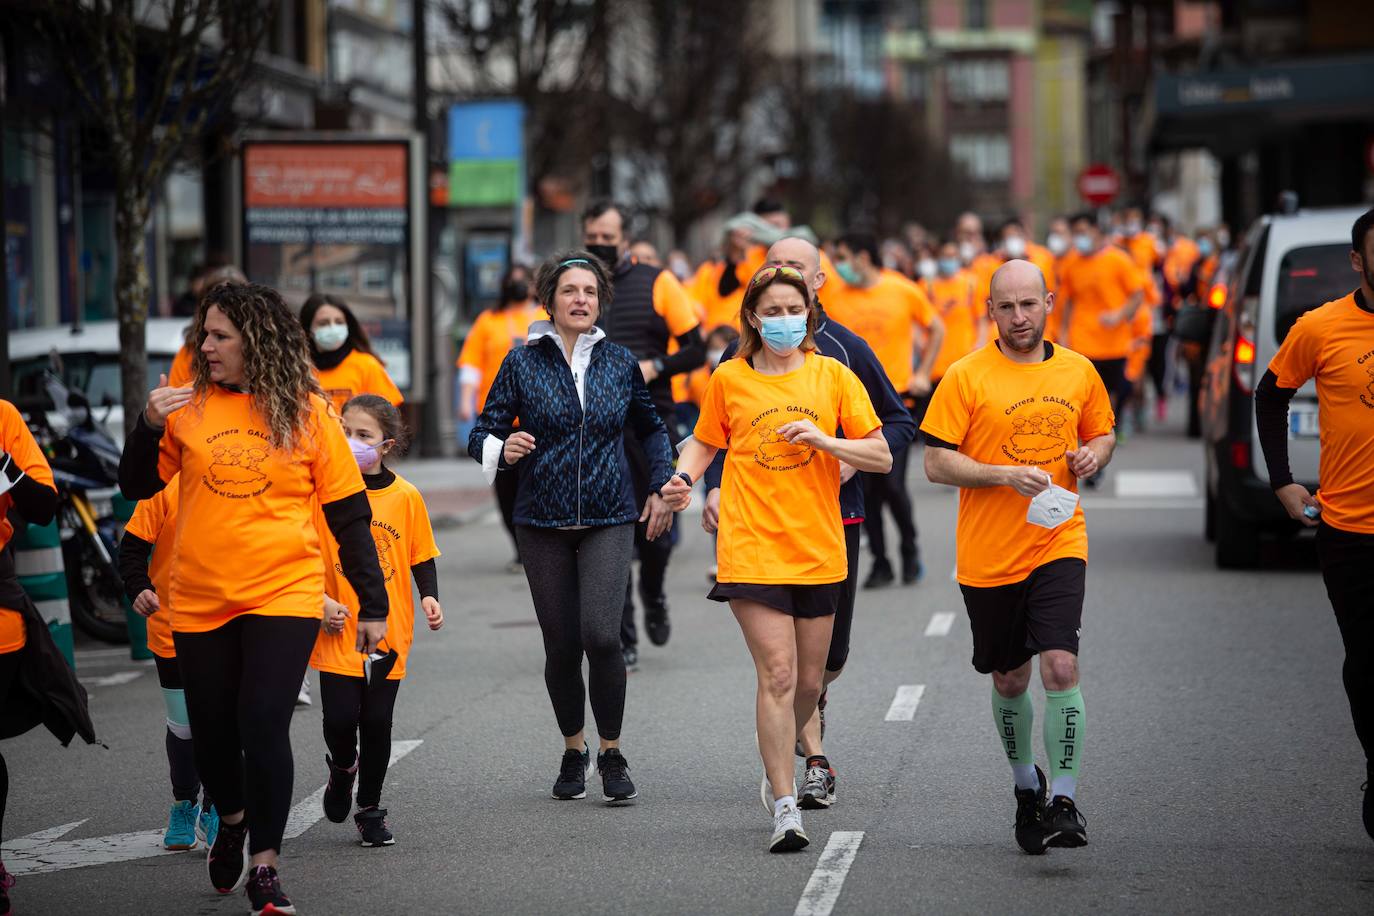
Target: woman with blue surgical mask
342,353
793,423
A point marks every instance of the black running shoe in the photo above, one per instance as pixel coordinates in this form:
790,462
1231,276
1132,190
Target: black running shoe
572,775
227,862
656,622
338,794
1064,825
912,572
616,787
818,785
631,655
264,892
372,828
6,882
1030,809
1368,788
880,576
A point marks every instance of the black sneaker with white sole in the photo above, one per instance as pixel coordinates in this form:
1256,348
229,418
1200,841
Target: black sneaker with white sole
572,775
372,828
1030,810
264,893
227,862
616,787
818,785
338,793
1064,825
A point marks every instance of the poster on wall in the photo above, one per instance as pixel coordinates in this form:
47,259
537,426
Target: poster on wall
333,217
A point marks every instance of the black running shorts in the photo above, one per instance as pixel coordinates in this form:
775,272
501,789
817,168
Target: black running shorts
1013,622
1113,374
794,600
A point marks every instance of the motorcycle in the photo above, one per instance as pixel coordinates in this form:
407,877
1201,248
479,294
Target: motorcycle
85,466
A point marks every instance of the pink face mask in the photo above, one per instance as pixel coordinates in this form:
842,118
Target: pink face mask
366,455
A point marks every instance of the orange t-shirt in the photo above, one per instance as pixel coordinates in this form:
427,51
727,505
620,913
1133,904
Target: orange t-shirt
494,334
1142,249
779,501
1335,345
884,315
24,452
155,521
1093,285
1043,258
998,411
1179,261
181,374
1142,340
953,300
246,541
402,533
983,267
359,373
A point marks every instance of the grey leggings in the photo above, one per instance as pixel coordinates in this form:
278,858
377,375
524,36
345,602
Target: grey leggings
577,580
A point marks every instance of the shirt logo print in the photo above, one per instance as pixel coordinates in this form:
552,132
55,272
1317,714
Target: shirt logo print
1368,399
1038,438
234,471
384,557
776,453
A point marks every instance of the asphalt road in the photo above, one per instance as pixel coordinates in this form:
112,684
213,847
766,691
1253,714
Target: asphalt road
1221,772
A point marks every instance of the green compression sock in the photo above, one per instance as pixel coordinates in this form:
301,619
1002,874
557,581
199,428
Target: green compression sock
1064,722
1014,718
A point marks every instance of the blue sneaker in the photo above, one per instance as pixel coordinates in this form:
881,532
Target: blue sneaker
181,826
207,825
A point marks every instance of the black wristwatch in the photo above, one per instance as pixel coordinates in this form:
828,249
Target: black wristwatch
686,478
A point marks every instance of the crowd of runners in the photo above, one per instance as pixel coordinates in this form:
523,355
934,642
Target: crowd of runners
784,383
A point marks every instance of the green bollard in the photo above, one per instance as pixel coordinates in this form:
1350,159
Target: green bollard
138,627
38,563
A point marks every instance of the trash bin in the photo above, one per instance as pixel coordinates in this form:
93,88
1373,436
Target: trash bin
38,563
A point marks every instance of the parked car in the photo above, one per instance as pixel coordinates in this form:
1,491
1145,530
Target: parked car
87,360
1288,264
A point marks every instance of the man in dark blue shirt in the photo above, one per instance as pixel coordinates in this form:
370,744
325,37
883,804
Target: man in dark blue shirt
837,342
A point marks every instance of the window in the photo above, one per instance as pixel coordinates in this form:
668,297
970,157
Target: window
374,277
1308,277
985,157
337,279
976,14
979,80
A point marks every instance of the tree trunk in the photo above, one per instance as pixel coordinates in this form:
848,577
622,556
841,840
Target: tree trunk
131,297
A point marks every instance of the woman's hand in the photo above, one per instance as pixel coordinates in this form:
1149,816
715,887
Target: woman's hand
677,494
658,515
518,445
846,472
146,603
434,614
164,401
335,614
370,633
805,432
710,513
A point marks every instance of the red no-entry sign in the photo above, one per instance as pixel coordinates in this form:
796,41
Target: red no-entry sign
1099,184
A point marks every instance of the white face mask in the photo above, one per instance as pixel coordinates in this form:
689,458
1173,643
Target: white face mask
1057,244
713,357
5,483
966,252
330,337
1014,245
1053,507
927,267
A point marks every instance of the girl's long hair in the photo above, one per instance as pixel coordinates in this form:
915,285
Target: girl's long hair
277,371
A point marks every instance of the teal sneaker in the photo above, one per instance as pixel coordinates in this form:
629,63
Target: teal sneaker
181,826
207,825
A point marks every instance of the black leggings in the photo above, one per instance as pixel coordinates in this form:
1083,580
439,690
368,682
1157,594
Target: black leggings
357,726
844,611
577,580
181,752
9,667
241,684
1347,563
1159,365
506,486
890,490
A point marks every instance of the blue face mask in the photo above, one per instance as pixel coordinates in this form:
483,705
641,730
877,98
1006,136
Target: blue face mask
949,266
1204,247
784,333
848,273
1083,242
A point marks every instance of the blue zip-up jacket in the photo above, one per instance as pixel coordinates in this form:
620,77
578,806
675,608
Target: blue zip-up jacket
577,473
899,429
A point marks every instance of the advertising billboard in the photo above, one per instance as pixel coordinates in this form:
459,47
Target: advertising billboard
335,217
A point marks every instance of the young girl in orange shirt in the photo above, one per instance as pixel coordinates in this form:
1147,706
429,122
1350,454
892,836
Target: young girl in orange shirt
358,695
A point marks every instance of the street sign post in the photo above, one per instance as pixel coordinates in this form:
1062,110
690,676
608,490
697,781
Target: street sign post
1099,184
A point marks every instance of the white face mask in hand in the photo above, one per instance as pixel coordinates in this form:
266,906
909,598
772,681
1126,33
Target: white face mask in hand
1052,507
5,483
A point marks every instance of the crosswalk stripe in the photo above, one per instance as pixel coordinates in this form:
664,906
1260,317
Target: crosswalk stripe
827,879
903,706
940,623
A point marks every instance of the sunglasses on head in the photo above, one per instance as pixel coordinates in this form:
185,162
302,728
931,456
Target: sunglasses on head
768,273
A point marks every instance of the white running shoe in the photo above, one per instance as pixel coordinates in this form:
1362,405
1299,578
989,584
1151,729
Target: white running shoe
788,835
766,793
303,698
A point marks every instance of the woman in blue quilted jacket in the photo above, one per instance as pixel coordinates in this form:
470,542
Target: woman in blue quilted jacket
574,392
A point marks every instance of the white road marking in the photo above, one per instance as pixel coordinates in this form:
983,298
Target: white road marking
827,880
112,680
1155,484
100,653
46,851
903,706
940,622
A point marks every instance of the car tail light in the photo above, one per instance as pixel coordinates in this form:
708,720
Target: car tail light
1240,455
1217,297
1243,355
